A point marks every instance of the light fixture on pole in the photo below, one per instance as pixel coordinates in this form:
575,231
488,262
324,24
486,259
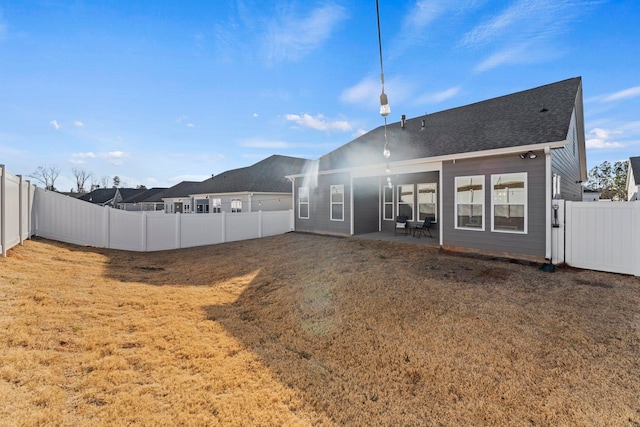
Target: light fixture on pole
385,109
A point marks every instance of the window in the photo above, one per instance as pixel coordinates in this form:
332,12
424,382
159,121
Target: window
337,203
470,202
427,201
236,205
388,202
216,205
509,213
303,203
202,206
405,201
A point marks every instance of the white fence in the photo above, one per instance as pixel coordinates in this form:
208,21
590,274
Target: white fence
65,219
603,236
16,202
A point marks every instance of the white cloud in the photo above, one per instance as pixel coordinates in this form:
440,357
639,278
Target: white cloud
78,123
362,92
367,92
115,157
434,98
631,92
527,31
599,138
190,125
255,115
291,36
319,122
88,155
55,124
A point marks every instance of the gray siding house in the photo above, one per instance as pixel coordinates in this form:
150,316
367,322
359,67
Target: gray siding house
262,186
486,174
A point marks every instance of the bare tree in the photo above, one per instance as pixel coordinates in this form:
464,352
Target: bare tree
46,175
81,179
116,181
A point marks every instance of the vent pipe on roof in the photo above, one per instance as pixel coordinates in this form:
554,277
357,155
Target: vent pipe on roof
403,121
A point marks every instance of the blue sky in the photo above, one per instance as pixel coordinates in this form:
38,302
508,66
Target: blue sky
158,92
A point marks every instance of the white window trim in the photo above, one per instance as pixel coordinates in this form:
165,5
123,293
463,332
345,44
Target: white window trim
435,211
331,202
526,206
386,202
413,201
300,202
455,207
235,209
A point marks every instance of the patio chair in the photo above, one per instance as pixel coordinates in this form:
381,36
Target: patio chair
425,229
402,224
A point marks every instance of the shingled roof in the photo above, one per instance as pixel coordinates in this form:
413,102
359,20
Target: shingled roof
147,195
99,196
267,176
533,116
182,189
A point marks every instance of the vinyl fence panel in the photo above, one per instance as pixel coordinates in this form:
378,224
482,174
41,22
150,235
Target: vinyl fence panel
242,226
15,210
162,231
201,229
126,229
63,218
603,236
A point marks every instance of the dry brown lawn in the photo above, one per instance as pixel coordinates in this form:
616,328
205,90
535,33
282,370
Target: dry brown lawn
312,330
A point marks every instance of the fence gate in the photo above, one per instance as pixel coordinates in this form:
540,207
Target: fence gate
603,236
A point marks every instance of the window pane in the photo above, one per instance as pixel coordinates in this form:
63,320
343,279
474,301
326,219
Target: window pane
469,215
336,211
427,201
509,202
304,211
388,211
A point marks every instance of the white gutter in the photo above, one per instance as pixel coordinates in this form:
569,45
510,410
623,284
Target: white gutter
371,170
548,195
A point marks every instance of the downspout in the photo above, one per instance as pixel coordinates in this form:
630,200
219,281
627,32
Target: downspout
293,204
548,195
440,208
380,199
352,209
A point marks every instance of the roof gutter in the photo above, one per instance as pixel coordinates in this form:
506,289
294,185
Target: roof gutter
371,170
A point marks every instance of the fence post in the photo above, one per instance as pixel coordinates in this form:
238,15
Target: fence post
107,227
3,209
20,211
223,224
178,229
144,231
636,226
259,224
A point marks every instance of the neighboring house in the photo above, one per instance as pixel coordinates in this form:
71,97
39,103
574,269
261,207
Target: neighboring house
590,195
177,199
633,179
485,173
109,196
259,187
146,200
